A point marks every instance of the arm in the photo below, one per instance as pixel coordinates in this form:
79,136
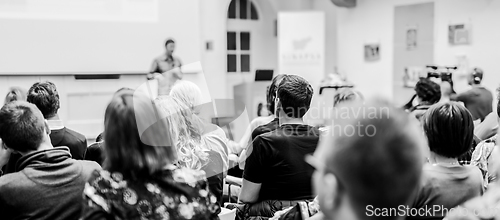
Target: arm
254,172
249,192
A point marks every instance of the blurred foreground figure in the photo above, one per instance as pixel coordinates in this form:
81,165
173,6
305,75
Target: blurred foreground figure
140,180
377,167
47,183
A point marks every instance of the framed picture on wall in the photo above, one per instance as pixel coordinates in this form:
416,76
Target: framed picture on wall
372,52
411,37
459,34
411,76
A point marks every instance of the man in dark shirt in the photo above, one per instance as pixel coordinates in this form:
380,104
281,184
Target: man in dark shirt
477,100
275,168
48,183
46,98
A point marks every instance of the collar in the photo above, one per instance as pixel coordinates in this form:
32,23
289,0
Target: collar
55,124
39,158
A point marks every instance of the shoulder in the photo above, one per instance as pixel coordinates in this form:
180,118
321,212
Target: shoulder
160,58
11,180
88,167
75,135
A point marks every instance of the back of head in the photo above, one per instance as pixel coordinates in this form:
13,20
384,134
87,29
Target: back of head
45,96
271,93
346,95
380,162
449,129
22,127
15,94
428,91
477,75
135,138
187,92
186,132
295,94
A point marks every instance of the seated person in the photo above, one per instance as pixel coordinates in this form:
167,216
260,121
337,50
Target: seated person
447,183
275,168
428,94
486,156
47,182
261,125
355,175
140,180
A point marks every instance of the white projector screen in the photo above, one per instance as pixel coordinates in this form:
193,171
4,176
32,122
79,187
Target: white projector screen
94,36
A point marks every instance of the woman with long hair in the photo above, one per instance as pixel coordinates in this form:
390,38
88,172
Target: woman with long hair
139,180
192,151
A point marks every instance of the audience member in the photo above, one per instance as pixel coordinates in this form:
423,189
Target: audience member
363,172
15,94
428,94
486,156
47,183
139,180
275,169
192,151
45,96
95,151
477,100
262,125
446,183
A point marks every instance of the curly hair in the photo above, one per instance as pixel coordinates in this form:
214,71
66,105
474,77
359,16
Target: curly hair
45,96
185,131
428,91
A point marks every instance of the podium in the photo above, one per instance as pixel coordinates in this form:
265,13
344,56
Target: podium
251,94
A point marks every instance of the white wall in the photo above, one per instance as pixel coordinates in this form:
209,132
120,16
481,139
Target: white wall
369,21
374,21
484,50
330,32
58,45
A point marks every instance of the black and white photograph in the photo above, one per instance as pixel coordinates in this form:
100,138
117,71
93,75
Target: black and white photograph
249,109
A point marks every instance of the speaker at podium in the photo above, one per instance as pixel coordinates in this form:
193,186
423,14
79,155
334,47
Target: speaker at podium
253,94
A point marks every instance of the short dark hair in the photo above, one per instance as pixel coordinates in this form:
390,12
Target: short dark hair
45,96
428,91
22,127
449,128
135,141
477,75
271,93
381,164
169,41
295,95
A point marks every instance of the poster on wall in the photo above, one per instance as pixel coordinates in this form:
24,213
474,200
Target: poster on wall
301,45
411,37
459,34
372,52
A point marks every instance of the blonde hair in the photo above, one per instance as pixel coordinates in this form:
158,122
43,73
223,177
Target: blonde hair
185,132
15,94
188,93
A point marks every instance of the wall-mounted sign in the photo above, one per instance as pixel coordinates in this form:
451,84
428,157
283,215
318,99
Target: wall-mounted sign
301,44
459,34
411,37
372,52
